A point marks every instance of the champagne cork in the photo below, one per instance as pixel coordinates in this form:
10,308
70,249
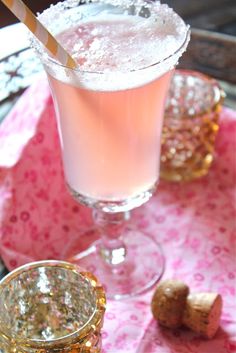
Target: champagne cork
168,303
172,306
202,313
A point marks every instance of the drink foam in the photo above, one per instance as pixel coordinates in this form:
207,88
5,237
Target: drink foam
119,44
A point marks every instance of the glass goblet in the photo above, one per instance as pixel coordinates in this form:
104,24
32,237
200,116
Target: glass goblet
109,113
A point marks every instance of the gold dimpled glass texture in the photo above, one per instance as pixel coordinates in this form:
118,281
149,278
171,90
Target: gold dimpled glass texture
51,306
191,125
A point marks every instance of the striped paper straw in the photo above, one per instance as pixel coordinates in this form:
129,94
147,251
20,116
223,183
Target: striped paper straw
25,15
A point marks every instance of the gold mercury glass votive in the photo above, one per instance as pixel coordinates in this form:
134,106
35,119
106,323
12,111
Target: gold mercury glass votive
51,306
190,126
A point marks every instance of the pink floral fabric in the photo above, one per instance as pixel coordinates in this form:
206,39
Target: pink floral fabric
195,223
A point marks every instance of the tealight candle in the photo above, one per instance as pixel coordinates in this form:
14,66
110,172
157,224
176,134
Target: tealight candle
51,306
191,125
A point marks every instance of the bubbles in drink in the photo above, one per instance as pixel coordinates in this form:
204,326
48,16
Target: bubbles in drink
122,42
118,38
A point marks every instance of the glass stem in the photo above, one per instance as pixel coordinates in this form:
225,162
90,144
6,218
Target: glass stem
111,227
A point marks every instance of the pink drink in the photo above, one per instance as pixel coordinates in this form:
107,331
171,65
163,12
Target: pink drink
111,140
110,125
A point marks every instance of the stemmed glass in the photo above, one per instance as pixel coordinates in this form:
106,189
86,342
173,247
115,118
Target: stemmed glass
109,121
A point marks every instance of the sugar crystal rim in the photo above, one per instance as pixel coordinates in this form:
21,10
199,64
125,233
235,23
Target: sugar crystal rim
47,59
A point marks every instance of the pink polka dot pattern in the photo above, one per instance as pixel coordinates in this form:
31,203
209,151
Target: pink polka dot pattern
195,222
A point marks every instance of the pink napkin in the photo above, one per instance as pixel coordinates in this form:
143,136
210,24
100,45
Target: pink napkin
195,222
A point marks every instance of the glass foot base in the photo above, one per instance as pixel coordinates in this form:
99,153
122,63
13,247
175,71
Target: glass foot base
141,269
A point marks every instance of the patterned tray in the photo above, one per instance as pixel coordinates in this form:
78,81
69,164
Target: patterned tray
3,270
17,72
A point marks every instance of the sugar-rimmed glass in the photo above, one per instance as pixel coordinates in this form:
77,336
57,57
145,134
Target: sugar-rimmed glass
110,123
51,306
